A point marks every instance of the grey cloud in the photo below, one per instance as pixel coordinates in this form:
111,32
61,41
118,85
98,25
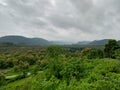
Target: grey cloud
82,17
82,5
88,17
23,11
61,19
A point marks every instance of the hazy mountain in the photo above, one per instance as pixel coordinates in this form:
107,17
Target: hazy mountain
23,40
99,42
83,42
95,42
62,43
39,41
119,41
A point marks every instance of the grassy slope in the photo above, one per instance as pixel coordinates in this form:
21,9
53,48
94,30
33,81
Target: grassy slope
17,84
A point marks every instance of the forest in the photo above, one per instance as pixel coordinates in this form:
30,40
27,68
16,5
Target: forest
60,67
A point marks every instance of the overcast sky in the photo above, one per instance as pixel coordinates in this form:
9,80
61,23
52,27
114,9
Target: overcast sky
67,20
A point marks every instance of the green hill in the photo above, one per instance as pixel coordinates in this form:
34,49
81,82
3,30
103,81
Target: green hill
23,40
99,42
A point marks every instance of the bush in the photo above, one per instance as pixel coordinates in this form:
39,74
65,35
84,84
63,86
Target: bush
94,54
117,54
73,69
110,48
2,79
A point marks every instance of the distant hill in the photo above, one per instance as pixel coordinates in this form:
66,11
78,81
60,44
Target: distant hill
95,42
61,43
23,40
119,41
83,42
99,42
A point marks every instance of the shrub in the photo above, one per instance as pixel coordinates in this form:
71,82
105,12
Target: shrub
2,79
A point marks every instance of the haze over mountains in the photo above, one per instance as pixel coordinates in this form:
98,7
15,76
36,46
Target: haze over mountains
40,41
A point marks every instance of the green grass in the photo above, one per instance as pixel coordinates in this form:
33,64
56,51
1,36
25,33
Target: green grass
17,84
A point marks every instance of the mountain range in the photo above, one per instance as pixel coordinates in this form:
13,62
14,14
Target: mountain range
99,42
83,42
40,41
23,40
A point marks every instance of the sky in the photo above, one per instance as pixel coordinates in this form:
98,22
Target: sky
62,20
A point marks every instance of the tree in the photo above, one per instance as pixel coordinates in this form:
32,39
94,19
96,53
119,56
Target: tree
74,68
110,48
117,54
28,58
97,53
24,67
85,51
55,63
54,51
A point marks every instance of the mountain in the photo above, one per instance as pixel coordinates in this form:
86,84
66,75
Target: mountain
23,40
99,42
95,42
39,41
83,42
119,41
61,43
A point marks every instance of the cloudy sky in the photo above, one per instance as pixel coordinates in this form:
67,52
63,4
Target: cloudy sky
67,20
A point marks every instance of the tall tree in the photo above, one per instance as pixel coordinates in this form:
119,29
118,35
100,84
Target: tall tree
54,51
110,48
55,63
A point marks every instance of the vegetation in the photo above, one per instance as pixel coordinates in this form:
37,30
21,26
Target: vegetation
110,48
59,68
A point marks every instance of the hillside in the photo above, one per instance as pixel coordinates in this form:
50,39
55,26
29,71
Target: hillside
95,42
119,41
83,42
23,40
99,42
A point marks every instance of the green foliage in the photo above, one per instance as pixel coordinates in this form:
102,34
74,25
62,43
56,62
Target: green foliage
73,69
10,56
54,51
93,54
77,74
27,58
85,51
2,79
54,69
117,54
110,48
54,62
6,62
